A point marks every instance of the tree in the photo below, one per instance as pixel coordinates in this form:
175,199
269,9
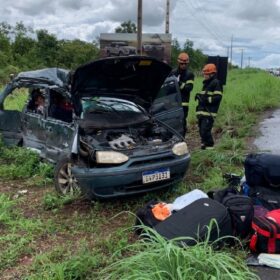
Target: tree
5,47
23,45
127,27
73,53
46,48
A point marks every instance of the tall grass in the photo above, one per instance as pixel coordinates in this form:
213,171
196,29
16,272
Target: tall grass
155,258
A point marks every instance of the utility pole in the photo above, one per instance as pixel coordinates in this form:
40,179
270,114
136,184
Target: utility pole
231,43
249,60
167,17
241,62
139,28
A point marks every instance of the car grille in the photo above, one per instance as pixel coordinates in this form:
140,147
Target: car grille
140,187
144,162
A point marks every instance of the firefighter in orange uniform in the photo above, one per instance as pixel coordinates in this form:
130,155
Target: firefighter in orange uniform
209,100
185,79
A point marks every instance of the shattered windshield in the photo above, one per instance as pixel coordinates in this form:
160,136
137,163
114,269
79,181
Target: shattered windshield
97,105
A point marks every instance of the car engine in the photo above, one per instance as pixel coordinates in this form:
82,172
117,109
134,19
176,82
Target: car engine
140,137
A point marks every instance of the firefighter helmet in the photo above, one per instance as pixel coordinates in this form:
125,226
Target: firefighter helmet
209,69
183,58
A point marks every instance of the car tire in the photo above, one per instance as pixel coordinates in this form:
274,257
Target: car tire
64,181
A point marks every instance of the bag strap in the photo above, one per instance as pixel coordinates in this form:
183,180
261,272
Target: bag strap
253,242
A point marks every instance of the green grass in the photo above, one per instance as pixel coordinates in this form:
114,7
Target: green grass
17,232
17,100
21,163
154,258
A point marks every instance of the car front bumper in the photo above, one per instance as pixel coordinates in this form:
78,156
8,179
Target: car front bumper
125,180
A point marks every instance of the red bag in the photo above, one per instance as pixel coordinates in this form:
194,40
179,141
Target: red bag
266,238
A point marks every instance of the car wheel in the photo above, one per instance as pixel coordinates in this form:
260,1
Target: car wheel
65,182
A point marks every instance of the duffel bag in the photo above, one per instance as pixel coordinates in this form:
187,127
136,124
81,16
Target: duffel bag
266,237
193,222
269,198
262,169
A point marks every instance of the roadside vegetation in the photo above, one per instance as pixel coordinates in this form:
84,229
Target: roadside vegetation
23,48
44,236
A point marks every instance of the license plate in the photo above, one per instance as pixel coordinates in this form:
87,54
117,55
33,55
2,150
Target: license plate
155,175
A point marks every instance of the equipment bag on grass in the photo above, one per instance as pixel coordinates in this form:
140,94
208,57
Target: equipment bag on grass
266,237
262,170
193,221
240,208
269,198
241,211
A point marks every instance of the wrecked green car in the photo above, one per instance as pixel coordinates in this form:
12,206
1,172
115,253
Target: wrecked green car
112,129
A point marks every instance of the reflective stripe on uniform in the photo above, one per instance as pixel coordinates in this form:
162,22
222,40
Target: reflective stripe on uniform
203,113
211,92
187,82
185,104
210,99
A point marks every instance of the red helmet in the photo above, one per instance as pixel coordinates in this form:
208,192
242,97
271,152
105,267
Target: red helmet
209,69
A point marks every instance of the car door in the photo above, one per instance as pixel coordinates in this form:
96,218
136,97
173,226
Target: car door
10,127
167,106
34,134
59,138
10,120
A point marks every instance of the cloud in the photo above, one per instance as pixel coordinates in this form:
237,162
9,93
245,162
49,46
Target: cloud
210,24
153,11
257,11
270,61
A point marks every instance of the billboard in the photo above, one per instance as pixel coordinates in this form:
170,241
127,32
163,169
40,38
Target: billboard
122,44
221,63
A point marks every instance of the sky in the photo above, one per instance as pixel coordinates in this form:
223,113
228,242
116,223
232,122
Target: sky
250,26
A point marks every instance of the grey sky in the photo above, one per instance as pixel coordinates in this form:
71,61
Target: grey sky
210,24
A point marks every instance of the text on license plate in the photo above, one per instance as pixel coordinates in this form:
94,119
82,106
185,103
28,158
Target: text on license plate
156,175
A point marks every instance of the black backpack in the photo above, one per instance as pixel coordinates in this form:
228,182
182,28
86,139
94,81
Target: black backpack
240,208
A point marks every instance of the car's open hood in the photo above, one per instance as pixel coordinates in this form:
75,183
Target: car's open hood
140,76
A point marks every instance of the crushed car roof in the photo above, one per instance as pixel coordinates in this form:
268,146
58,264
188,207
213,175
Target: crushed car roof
49,77
53,76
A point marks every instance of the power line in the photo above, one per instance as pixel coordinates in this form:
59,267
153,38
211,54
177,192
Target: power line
211,32
201,11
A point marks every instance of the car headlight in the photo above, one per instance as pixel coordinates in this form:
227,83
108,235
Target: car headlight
180,149
110,157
